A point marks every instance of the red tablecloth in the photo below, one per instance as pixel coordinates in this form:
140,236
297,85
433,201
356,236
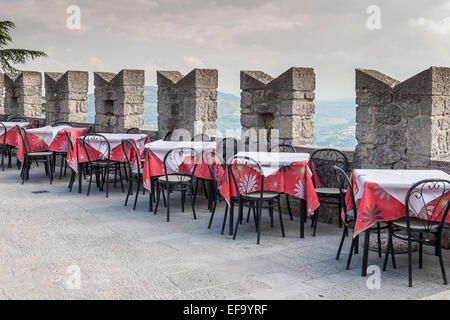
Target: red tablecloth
380,194
156,151
49,139
115,140
282,173
12,135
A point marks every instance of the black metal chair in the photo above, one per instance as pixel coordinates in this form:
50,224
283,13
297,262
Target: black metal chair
63,155
421,217
179,169
134,130
214,162
11,147
227,147
18,119
134,170
103,166
289,149
247,173
62,123
73,173
322,164
350,216
29,157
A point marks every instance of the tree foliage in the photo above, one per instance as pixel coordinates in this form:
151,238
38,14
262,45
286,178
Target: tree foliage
9,56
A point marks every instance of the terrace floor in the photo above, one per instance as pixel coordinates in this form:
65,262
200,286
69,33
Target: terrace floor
137,255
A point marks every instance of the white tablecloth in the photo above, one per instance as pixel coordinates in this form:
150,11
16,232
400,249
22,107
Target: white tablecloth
272,161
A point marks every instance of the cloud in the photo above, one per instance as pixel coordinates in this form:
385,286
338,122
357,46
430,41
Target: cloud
434,26
192,62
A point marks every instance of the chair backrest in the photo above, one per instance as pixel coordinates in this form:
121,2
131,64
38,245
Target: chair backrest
227,147
133,157
201,137
3,131
24,137
134,130
17,119
428,201
282,148
69,141
345,184
322,164
99,143
180,162
168,136
62,123
34,124
247,174
213,160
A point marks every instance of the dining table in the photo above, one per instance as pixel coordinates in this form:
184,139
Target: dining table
156,151
380,196
48,138
97,150
283,172
11,137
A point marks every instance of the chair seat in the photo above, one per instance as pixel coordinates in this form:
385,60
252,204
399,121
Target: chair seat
173,178
416,224
266,195
332,191
40,154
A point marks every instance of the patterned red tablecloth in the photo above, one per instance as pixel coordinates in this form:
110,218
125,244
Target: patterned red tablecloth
380,194
12,135
49,139
283,172
156,151
97,150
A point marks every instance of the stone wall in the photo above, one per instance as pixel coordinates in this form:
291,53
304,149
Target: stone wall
402,124
187,102
119,100
285,103
66,96
23,95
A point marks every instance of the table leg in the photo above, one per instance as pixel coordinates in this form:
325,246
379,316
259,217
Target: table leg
365,253
230,232
79,179
302,217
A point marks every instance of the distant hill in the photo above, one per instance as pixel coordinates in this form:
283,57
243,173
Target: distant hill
334,121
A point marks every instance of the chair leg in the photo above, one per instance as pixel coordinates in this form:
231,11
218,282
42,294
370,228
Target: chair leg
192,200
379,239
183,196
316,218
271,213
61,168
204,188
130,187
259,221
420,250
137,191
339,213
168,201
341,243
238,219
120,177
349,260
441,261
224,219
151,195
289,207
158,197
281,217
409,261
107,180
212,214
90,180
388,249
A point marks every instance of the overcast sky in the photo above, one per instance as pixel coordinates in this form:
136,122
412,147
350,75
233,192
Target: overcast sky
271,36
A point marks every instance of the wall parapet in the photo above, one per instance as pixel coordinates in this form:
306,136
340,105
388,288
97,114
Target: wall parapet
23,94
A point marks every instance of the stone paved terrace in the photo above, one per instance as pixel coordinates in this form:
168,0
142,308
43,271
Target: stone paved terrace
137,255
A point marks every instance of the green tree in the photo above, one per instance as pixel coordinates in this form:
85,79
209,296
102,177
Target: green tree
9,57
